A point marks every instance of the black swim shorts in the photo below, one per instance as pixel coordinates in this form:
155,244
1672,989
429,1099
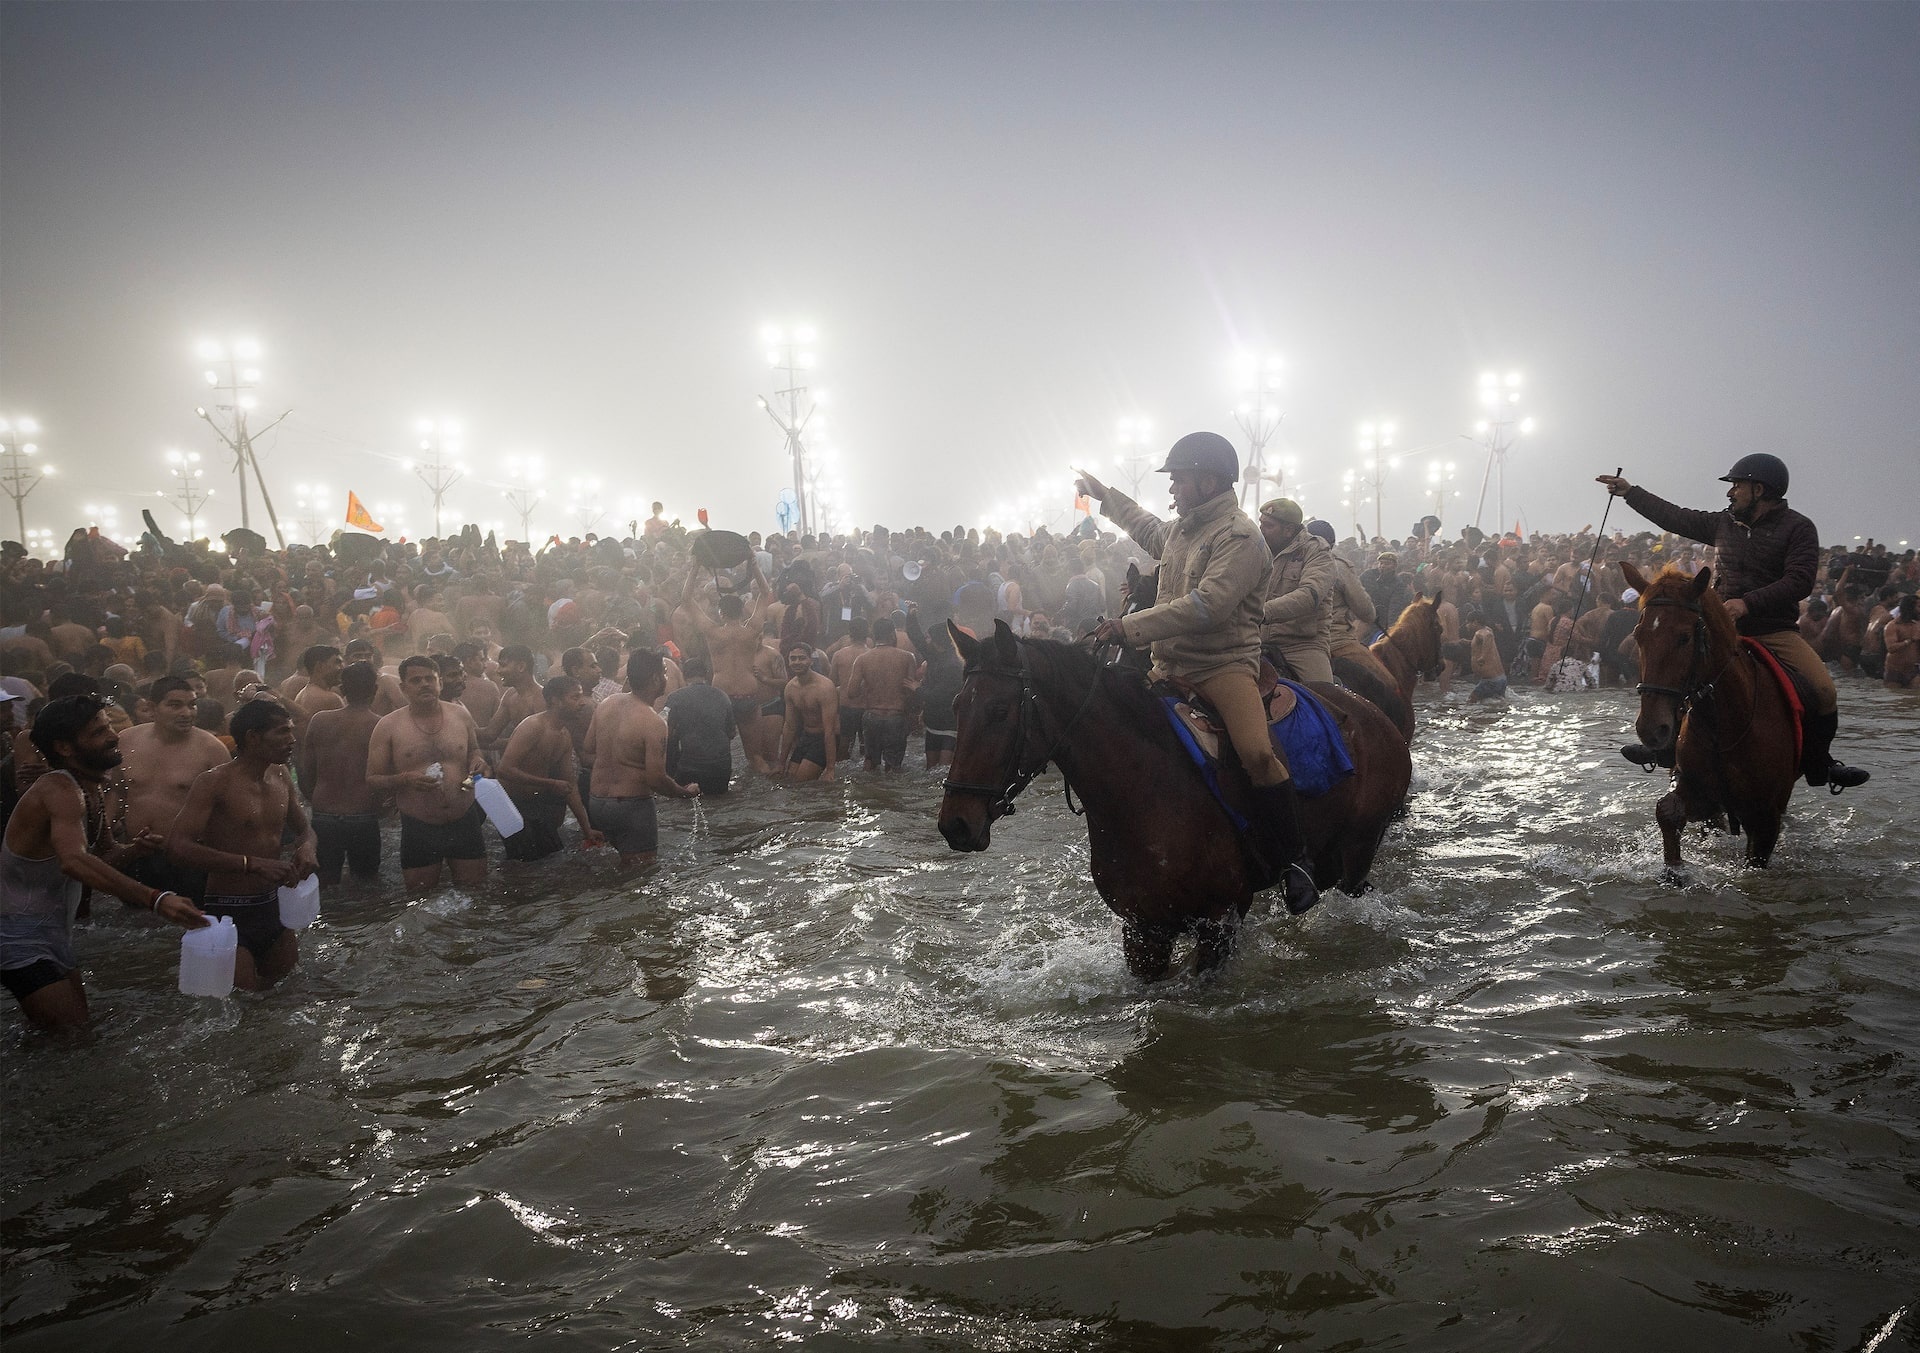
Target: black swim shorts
425,843
257,918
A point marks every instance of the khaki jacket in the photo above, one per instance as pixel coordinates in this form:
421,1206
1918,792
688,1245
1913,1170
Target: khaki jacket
1213,576
1350,611
1299,587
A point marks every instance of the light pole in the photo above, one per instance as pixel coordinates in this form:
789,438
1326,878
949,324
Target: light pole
1499,427
187,495
230,373
523,491
790,353
20,471
1133,436
439,438
313,502
1440,485
1376,442
584,503
1258,414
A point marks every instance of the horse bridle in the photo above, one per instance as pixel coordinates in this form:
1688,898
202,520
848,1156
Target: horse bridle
1000,799
1699,690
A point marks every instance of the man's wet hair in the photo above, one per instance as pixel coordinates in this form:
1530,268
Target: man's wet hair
858,629
696,668
418,660
731,606
164,686
62,720
559,688
359,683
519,653
802,645
643,666
450,666
883,631
468,649
316,655
256,716
70,683
573,660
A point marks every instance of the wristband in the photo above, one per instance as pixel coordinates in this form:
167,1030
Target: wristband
246,864
154,905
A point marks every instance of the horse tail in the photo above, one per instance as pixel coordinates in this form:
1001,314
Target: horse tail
1365,682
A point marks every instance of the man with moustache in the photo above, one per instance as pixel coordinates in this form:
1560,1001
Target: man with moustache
160,761
425,753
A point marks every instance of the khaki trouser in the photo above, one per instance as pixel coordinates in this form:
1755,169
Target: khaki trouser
1351,649
1798,657
1236,697
1307,657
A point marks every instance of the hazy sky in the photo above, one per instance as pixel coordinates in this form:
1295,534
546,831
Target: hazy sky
1693,227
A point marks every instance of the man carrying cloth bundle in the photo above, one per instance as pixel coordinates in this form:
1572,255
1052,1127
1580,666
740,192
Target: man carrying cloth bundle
1205,628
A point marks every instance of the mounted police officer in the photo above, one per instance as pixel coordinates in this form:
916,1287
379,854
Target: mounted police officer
1205,627
1768,556
1300,588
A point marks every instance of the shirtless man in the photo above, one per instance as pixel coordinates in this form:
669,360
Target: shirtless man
389,697
883,679
628,742
232,827
49,854
845,652
732,639
427,619
482,696
813,718
1902,638
539,772
519,696
426,753
161,760
322,664
1489,671
333,771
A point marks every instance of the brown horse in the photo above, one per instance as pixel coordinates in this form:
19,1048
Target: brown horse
1166,857
1410,651
1708,709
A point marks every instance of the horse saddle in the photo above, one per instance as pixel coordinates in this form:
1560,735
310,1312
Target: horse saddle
1792,688
1306,735
1193,713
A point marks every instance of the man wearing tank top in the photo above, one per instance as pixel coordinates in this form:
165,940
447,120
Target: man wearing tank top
49,852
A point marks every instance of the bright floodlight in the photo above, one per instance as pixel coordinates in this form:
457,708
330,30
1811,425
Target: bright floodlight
246,350
1488,380
772,333
27,425
1513,379
252,373
425,425
1526,425
211,351
806,333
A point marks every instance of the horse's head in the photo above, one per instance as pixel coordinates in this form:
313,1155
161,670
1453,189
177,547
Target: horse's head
1682,627
1422,619
992,714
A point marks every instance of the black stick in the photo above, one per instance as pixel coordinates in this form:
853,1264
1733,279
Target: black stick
1598,542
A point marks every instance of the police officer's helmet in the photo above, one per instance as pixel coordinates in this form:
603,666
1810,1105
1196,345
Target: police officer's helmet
1207,452
1761,468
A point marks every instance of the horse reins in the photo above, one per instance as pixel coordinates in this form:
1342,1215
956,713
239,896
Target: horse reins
1700,692
1002,797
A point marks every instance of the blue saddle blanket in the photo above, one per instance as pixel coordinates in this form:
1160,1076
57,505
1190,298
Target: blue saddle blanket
1308,740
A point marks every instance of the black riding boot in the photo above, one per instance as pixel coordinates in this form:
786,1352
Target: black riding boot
1818,762
1286,849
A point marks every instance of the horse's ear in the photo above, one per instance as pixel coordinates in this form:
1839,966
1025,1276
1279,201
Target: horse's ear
1437,594
1635,578
1005,644
1702,581
1133,574
965,643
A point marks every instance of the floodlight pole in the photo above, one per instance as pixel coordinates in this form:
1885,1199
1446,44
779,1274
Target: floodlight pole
790,408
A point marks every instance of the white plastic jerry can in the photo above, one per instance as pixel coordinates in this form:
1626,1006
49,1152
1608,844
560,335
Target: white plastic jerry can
206,958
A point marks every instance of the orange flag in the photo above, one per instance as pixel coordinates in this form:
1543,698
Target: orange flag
358,517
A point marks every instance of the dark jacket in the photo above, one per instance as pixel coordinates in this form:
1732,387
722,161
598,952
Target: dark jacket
1770,565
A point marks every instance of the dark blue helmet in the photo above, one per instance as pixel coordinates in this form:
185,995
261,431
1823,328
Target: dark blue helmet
1761,468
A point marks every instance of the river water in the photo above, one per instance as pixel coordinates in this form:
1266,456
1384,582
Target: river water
818,1079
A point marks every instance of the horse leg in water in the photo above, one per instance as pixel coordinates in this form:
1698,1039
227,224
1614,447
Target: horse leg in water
1762,837
1213,940
1149,950
1671,814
